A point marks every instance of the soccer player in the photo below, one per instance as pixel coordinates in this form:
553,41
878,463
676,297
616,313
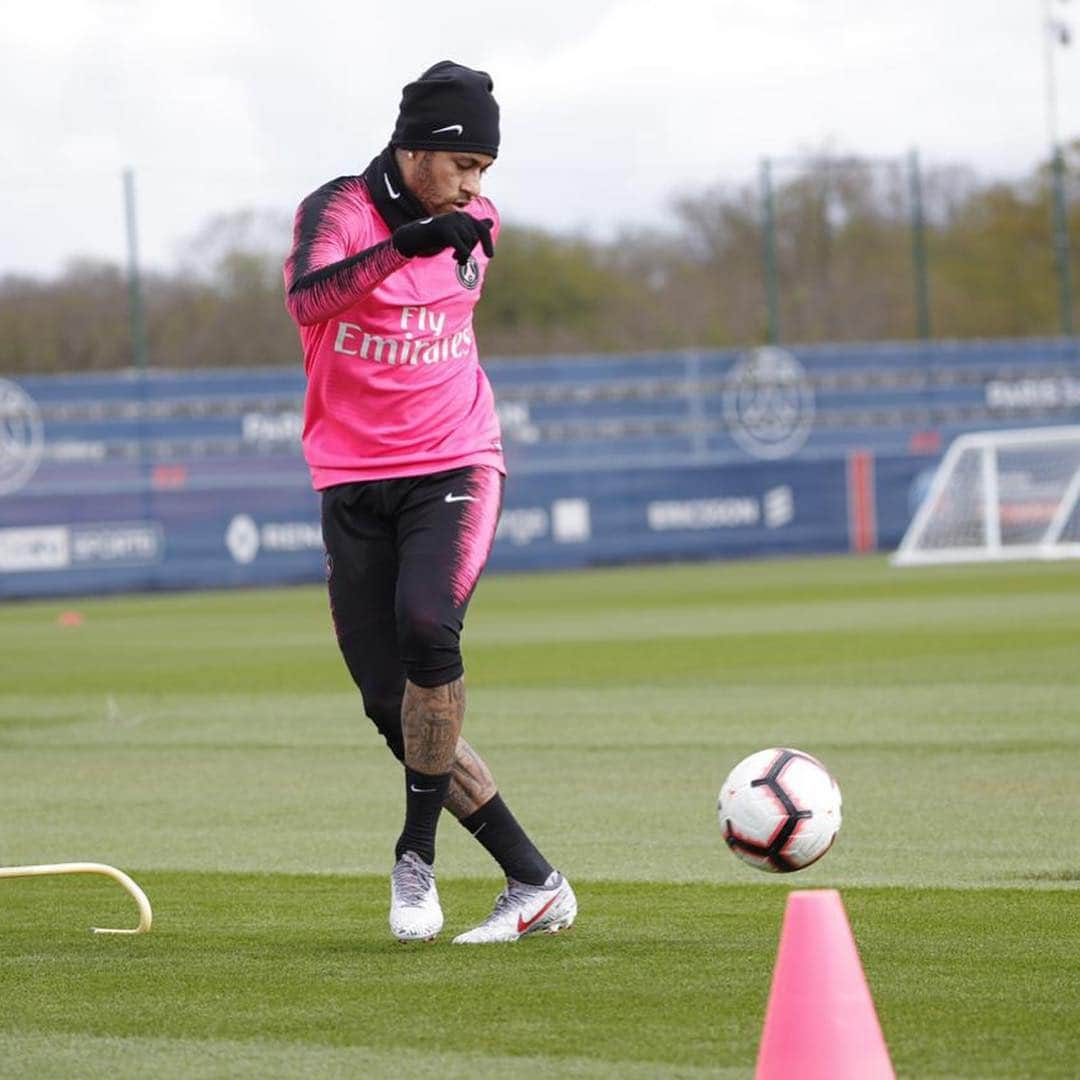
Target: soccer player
402,441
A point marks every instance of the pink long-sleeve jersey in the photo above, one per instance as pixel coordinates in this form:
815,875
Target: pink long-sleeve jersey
394,383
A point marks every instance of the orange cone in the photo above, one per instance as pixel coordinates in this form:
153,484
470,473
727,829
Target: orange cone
820,1022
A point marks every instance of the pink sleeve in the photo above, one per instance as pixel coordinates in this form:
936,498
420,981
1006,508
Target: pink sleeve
335,259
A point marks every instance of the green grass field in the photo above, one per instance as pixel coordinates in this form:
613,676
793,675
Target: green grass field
212,745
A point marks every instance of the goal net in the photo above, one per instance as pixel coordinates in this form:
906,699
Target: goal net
1000,495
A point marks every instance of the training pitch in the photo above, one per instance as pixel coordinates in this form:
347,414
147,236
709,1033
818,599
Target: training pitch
212,746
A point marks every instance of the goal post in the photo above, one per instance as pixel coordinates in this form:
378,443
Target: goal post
1000,495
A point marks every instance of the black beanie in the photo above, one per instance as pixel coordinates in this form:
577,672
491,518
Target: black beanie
449,107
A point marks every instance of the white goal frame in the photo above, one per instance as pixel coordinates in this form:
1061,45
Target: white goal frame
987,443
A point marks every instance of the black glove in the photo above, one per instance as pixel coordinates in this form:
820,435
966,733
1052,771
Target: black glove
460,231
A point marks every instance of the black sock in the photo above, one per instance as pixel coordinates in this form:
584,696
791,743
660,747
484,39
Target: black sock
498,830
424,796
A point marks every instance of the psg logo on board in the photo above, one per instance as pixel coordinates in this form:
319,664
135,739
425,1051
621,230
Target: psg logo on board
22,440
769,403
468,273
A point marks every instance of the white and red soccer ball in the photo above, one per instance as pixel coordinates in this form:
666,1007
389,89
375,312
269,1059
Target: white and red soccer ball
780,810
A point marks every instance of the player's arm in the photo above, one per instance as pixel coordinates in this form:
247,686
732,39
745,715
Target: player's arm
324,273
322,279
328,290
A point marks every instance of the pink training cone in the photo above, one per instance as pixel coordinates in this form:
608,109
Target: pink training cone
820,1022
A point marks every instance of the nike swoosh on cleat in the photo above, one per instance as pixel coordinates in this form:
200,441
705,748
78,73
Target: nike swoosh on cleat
460,498
457,129
524,924
393,194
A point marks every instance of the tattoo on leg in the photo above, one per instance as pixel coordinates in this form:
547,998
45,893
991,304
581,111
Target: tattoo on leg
471,782
431,724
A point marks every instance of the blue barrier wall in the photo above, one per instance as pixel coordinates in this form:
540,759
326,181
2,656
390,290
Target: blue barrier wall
175,480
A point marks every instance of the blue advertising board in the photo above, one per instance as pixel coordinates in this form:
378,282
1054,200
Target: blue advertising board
165,480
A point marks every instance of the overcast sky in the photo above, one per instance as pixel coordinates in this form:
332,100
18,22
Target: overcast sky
609,107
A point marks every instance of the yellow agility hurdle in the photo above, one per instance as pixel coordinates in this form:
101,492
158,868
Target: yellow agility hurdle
146,916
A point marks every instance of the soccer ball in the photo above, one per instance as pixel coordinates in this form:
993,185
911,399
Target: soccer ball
780,810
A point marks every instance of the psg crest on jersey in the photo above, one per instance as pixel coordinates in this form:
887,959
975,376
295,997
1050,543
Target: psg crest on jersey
469,273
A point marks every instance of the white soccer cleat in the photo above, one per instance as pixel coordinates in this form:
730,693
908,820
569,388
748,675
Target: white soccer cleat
522,909
415,913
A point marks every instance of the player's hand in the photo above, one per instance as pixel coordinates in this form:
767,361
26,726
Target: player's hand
456,230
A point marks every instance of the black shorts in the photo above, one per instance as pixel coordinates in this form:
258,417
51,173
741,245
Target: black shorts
403,557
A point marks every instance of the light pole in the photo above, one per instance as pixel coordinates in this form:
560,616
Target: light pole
138,325
769,229
1057,32
768,234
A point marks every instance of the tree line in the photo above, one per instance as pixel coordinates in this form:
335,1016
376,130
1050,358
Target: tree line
842,239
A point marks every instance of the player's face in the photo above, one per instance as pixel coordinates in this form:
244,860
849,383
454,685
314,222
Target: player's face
444,181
